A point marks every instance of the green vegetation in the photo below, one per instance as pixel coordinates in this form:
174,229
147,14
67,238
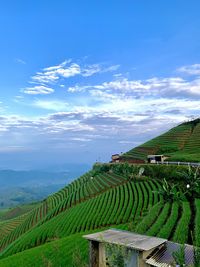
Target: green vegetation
147,222
83,217
59,253
181,143
156,200
179,256
182,229
160,221
170,223
197,224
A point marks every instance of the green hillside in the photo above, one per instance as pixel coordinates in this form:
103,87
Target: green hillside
119,195
181,143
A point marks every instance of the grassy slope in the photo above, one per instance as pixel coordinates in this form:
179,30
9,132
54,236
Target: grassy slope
89,188
181,143
58,253
113,207
55,254
11,213
159,221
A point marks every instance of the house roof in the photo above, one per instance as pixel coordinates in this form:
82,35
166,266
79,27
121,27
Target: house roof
128,239
163,257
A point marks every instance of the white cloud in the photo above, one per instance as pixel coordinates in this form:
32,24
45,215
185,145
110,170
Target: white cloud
91,70
56,105
69,69
157,87
111,68
120,110
49,76
80,139
38,90
190,69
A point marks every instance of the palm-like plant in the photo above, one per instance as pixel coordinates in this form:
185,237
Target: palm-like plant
170,192
192,180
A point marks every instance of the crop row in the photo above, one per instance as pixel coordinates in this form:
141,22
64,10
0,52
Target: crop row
197,223
182,229
118,205
80,190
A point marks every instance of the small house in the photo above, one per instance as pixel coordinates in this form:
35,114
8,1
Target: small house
115,158
155,158
142,251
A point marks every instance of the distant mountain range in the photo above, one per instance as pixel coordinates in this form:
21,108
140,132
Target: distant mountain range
21,187
65,174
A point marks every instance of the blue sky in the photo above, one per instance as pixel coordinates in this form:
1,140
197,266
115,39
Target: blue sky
80,80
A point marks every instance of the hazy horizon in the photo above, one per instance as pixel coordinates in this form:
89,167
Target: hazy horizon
80,81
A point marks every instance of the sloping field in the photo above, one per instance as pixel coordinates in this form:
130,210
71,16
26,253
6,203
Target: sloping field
86,187
122,204
110,195
173,221
181,143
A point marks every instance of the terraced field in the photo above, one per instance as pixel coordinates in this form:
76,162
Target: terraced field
97,202
172,221
80,190
110,195
122,204
181,143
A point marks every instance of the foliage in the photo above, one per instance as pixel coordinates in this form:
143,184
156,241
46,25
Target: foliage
77,258
148,220
196,251
170,192
179,256
168,149
154,229
116,255
168,227
196,256
182,229
118,195
197,223
108,208
192,180
57,253
181,143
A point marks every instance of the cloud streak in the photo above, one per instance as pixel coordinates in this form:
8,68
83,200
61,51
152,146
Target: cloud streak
50,76
154,87
38,90
190,69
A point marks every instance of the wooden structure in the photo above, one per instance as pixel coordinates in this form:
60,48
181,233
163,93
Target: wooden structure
144,251
139,246
155,158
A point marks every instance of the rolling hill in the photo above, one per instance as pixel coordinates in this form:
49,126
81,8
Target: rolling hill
50,232
181,143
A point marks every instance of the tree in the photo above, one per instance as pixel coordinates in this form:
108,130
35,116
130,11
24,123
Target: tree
192,180
170,193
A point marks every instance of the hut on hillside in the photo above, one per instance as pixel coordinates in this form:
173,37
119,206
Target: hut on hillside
115,158
155,158
142,251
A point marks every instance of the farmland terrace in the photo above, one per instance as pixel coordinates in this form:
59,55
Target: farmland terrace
121,195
